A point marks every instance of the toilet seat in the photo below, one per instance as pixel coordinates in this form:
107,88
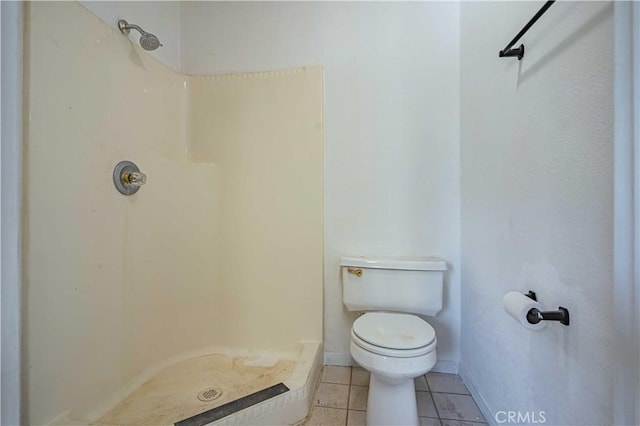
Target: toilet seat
393,334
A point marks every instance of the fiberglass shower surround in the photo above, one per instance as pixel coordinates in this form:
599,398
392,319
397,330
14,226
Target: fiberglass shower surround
141,283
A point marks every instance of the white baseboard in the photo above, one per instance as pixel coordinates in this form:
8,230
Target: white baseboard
444,366
339,358
345,360
477,396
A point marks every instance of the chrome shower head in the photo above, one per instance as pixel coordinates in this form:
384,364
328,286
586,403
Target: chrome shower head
148,41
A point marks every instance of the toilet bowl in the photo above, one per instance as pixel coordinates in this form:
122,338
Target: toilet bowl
395,348
390,340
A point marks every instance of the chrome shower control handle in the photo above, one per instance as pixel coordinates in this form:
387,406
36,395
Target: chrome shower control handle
128,178
134,178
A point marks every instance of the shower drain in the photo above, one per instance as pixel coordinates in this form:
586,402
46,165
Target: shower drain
209,394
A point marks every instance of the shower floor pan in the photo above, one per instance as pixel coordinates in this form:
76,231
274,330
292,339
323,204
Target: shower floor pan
231,390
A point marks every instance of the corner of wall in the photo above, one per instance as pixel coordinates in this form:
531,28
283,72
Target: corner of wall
627,60
477,396
12,401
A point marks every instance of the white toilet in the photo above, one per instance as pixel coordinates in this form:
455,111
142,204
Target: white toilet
391,343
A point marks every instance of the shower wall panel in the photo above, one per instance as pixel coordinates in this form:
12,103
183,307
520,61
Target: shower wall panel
264,133
221,249
92,99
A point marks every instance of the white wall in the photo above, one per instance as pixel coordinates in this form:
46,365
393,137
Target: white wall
537,206
391,125
161,18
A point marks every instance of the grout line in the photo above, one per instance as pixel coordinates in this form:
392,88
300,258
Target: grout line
435,406
471,422
346,420
427,380
450,393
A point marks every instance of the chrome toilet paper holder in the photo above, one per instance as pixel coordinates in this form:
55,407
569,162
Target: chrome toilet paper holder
534,316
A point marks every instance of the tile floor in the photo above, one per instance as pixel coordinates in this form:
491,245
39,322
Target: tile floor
341,399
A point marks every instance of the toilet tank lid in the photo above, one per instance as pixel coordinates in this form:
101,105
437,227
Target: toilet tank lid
405,263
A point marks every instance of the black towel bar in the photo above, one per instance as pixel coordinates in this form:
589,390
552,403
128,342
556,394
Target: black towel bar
519,51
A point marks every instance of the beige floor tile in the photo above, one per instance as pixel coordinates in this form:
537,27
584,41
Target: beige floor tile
426,408
356,418
359,376
327,417
448,383
332,395
428,421
358,398
421,384
457,407
335,374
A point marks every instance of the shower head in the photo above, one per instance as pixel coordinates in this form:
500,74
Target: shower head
148,41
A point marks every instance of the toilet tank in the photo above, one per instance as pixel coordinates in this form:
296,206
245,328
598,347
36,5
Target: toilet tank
401,284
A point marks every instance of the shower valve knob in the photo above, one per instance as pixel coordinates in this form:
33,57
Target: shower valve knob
128,178
134,178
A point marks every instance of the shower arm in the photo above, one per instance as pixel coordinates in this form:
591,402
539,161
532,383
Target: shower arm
125,27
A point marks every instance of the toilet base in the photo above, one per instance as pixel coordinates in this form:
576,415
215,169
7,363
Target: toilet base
391,402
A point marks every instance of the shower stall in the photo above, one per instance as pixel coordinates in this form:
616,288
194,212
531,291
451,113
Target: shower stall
204,286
